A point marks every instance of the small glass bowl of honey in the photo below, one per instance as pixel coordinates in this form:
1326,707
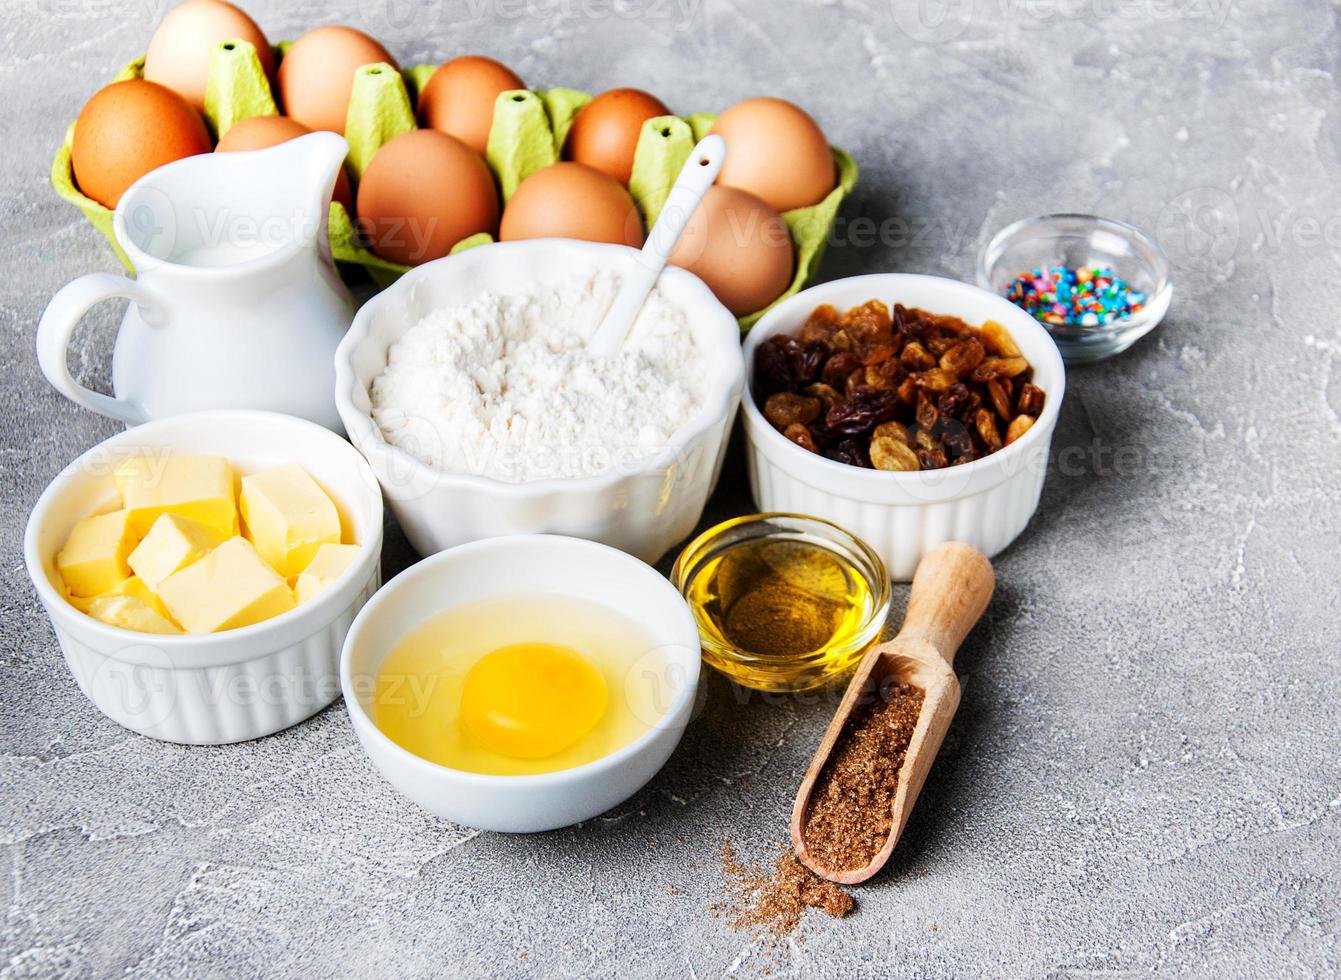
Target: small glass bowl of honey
783,602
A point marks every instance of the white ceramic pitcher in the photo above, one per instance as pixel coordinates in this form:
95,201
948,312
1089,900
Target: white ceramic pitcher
236,302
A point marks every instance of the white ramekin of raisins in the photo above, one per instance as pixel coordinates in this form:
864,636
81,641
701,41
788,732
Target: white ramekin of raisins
911,410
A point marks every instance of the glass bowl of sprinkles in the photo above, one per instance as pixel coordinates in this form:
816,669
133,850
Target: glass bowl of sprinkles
1097,285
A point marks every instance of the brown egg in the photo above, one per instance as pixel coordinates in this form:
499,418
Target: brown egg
740,247
571,200
423,192
775,151
128,129
263,132
605,133
316,75
179,51
459,98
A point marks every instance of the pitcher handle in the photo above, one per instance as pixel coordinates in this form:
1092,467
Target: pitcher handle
58,322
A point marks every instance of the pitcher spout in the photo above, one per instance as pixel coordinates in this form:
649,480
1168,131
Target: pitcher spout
322,155
302,174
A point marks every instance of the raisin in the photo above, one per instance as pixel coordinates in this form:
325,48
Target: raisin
1030,401
772,367
953,399
940,345
999,367
827,394
986,425
878,354
931,459
891,430
963,357
937,379
820,325
837,368
958,441
848,451
862,410
841,340
887,374
1000,397
972,405
927,413
916,358
908,391
784,409
893,454
872,317
816,333
800,435
807,360
1018,427
924,438
998,341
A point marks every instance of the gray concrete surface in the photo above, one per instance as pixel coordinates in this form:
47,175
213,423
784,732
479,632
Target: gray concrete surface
1144,775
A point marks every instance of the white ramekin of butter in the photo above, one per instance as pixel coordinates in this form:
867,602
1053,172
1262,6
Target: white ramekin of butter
903,515
451,675
204,686
480,427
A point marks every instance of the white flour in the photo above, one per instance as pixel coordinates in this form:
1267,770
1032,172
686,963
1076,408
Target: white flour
504,387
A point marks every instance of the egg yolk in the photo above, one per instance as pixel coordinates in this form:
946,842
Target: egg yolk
532,700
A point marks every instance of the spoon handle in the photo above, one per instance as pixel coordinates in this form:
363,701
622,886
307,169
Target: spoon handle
697,175
950,592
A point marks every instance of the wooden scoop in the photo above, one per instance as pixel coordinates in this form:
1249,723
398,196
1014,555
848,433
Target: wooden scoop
950,591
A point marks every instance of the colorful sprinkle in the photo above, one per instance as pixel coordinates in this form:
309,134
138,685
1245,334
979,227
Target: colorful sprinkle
1089,296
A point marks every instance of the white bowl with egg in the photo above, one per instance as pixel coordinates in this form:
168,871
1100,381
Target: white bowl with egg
551,566
985,503
643,507
220,687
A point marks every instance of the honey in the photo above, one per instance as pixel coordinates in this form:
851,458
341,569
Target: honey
783,603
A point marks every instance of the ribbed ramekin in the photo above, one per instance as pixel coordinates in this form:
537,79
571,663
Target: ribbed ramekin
222,687
642,509
986,503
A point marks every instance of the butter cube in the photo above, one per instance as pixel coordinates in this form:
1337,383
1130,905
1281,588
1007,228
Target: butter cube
329,564
171,544
197,487
129,613
230,587
94,557
288,517
132,587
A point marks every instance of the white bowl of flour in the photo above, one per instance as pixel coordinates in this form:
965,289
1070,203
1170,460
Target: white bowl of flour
469,388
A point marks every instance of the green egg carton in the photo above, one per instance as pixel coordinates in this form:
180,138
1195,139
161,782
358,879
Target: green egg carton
528,133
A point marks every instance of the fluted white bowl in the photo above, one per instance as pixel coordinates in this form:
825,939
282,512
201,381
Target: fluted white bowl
221,687
986,503
643,509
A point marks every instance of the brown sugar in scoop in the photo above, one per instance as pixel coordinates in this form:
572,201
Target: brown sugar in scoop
868,771
852,806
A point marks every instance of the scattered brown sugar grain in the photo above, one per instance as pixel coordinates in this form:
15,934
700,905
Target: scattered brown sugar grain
852,807
772,901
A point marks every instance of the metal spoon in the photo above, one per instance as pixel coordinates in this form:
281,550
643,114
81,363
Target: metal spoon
697,175
951,588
